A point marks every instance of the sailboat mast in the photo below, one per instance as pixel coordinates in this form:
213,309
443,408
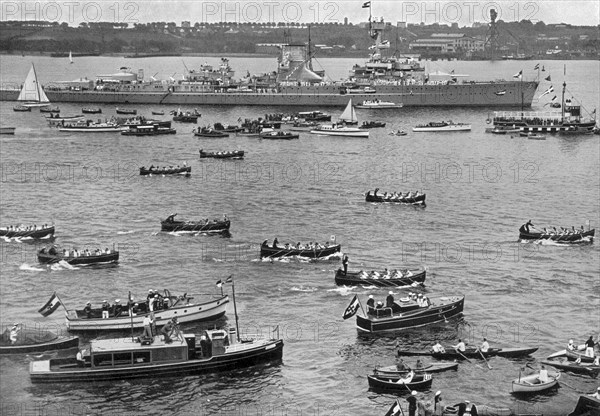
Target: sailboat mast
237,323
37,84
309,51
562,113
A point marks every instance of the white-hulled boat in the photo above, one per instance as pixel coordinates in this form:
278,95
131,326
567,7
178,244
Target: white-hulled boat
443,126
32,94
338,130
88,127
59,121
533,384
378,105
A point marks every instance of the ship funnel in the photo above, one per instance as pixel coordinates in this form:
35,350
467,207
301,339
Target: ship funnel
232,336
140,75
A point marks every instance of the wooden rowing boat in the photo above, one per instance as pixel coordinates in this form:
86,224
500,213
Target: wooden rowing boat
393,371
380,280
397,385
532,383
451,354
583,368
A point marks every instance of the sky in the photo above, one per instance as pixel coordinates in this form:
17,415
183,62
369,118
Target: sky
463,12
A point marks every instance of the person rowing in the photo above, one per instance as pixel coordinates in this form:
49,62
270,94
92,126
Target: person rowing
460,346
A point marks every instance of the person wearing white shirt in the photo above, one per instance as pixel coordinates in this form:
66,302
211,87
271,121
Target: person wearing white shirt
460,346
484,346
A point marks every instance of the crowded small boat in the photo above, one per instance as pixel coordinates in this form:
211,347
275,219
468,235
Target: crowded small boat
164,170
279,135
91,110
385,278
31,231
371,124
209,132
201,226
74,256
185,116
435,126
235,154
528,232
310,250
377,104
413,198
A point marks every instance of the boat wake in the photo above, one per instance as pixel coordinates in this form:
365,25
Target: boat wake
29,268
343,290
303,289
547,242
125,232
63,265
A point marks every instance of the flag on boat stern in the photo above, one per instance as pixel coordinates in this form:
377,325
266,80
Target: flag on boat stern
395,410
548,78
219,283
366,4
352,308
229,279
537,66
50,306
548,91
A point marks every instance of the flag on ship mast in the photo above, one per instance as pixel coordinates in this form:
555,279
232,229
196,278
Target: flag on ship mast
519,75
366,4
537,66
548,78
548,91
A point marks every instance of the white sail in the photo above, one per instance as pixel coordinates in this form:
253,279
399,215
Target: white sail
70,57
32,91
349,115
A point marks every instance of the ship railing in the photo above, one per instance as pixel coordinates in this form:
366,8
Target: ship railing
526,115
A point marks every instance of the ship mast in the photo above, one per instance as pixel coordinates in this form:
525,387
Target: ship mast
309,51
562,112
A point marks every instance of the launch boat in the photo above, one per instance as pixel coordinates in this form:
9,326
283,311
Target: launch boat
205,226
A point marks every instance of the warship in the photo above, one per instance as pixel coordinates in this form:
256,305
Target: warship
295,83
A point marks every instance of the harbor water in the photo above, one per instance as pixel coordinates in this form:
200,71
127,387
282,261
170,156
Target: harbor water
480,188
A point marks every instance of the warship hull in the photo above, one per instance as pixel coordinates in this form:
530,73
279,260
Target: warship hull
476,94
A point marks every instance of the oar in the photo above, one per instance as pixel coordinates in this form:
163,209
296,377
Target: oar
459,353
568,385
486,361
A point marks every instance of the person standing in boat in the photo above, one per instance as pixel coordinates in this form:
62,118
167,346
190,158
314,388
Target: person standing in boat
147,327
525,227
105,309
589,347
389,300
14,333
88,310
345,264
370,302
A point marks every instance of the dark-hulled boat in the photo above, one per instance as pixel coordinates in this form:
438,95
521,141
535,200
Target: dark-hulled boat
124,358
409,198
7,130
393,371
181,171
581,237
186,116
397,385
148,130
126,111
35,340
35,234
21,108
91,110
181,307
314,116
54,109
195,226
53,255
582,368
372,124
408,314
586,406
381,279
279,135
211,133
451,354
313,253
228,128
235,154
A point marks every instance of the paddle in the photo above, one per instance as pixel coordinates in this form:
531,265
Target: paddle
568,385
486,361
459,353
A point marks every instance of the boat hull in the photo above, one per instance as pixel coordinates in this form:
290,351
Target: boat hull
201,312
418,200
586,406
237,154
590,370
39,233
566,238
185,171
269,352
7,130
354,279
271,252
60,343
573,356
193,226
472,353
385,383
476,94
428,368
531,384
79,261
444,309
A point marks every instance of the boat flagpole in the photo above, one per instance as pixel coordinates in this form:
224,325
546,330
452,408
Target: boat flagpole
131,313
562,116
237,323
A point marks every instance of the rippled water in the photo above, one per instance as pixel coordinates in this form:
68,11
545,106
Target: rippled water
480,189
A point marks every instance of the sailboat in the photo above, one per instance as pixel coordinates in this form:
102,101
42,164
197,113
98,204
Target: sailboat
70,57
32,93
340,129
349,115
